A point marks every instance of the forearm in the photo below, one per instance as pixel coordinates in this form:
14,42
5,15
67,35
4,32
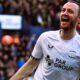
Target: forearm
17,77
21,74
25,70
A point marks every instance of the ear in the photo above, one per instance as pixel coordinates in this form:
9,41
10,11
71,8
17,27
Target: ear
78,19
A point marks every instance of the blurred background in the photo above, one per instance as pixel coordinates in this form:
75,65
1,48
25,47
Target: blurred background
21,23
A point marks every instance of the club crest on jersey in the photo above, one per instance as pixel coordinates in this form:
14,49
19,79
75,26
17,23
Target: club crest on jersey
72,54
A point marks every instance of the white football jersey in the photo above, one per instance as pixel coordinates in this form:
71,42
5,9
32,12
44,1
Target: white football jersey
60,59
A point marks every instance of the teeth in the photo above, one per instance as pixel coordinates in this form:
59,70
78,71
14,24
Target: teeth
65,18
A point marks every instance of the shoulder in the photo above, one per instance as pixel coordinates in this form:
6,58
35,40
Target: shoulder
78,37
49,33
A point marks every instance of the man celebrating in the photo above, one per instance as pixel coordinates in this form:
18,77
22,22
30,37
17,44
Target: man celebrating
56,53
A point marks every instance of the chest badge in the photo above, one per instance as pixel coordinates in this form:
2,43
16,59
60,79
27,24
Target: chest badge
72,54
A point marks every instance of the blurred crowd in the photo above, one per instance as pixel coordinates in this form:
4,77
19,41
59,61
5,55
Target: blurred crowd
13,54
38,16
35,12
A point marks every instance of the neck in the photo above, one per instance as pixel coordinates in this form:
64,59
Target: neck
67,34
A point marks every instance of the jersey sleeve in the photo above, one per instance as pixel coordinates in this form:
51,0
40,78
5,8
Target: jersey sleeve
37,52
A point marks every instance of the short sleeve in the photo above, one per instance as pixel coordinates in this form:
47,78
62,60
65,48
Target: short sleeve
37,52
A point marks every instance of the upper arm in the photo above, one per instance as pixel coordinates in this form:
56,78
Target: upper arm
37,52
32,62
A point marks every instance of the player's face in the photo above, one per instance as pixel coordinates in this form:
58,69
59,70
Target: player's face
68,16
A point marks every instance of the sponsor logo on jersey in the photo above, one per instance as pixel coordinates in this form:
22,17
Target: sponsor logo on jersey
58,63
48,60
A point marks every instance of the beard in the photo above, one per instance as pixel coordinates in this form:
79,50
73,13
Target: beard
71,25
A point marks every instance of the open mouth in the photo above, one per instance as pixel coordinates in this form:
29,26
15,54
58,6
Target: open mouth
65,18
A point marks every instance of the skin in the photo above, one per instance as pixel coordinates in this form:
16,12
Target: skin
25,70
67,31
